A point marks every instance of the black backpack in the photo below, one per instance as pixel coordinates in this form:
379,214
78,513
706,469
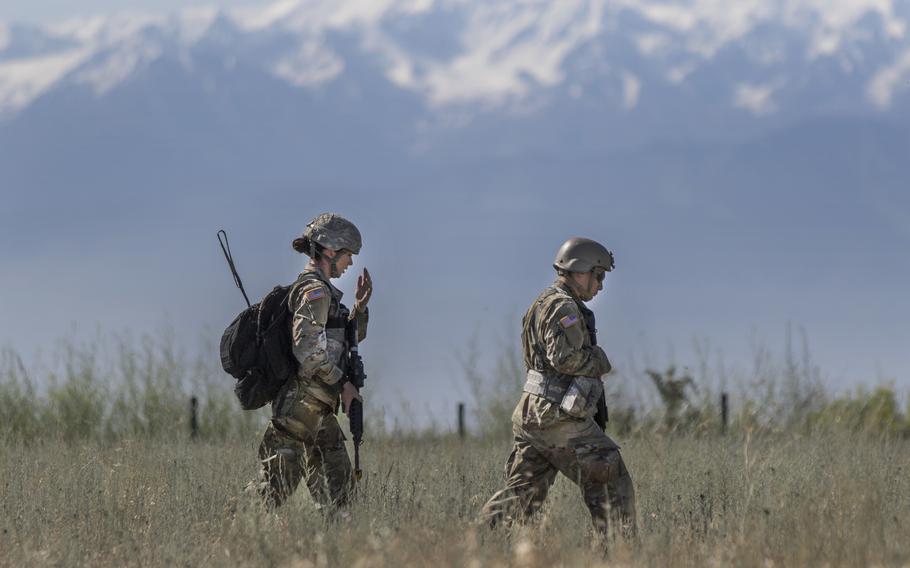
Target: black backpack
256,347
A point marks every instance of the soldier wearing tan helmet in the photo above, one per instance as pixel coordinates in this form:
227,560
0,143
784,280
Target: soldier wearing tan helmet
554,422
303,439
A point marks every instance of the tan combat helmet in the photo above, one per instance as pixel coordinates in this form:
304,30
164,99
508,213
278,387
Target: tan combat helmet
333,231
583,255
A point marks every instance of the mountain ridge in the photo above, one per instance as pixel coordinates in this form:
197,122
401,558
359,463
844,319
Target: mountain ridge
472,57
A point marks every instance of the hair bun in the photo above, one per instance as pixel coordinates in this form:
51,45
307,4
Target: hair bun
301,244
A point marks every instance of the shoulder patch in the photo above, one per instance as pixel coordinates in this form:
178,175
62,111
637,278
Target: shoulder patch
568,321
315,294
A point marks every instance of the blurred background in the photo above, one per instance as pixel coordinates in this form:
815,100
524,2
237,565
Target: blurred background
747,162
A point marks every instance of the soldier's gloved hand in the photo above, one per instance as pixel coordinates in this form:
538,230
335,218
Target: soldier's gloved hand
605,365
364,291
348,394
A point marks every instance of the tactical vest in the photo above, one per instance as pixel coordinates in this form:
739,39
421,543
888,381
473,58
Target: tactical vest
338,312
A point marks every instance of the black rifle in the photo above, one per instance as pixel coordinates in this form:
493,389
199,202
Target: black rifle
602,416
355,375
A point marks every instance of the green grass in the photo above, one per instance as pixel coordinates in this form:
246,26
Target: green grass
116,390
119,388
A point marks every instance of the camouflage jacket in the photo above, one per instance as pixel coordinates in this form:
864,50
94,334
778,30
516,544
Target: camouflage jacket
555,338
317,333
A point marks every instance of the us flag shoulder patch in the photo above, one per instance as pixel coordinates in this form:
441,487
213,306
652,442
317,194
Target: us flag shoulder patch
314,294
568,321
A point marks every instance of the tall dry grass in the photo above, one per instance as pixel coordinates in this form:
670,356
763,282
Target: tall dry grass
97,468
833,500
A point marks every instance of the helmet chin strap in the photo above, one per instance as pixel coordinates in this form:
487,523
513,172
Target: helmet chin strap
584,291
576,287
334,269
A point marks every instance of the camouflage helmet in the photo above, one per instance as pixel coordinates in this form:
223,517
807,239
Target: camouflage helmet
583,255
333,231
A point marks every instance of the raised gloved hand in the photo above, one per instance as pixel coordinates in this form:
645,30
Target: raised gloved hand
364,291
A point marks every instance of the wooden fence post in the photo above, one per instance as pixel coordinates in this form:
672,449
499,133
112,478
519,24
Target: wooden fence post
461,431
194,419
724,412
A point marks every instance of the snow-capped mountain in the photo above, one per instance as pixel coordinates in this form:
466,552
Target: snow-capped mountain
668,97
444,89
753,57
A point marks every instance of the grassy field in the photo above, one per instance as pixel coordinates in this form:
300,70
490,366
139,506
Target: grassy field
97,468
770,500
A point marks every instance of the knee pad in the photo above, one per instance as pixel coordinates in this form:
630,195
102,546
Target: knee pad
604,467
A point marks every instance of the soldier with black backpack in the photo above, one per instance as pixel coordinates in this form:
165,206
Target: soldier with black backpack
303,439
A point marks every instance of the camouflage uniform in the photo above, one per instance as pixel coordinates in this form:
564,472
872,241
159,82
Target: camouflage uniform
304,439
556,343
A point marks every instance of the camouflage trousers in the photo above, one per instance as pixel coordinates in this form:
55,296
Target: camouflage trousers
579,450
305,442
